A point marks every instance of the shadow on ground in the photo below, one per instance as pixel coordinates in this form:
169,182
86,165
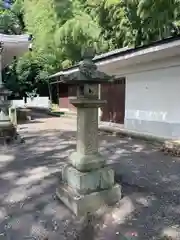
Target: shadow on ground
29,175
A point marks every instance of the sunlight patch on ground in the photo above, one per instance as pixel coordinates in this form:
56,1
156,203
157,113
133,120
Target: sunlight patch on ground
34,175
41,149
22,193
107,142
145,201
66,153
3,213
10,175
170,178
176,141
175,209
121,151
16,195
113,157
40,188
5,160
138,148
125,209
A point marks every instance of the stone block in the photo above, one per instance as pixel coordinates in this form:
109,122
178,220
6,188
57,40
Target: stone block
86,162
81,204
7,132
87,182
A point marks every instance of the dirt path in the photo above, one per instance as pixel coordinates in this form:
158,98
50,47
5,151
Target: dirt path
29,175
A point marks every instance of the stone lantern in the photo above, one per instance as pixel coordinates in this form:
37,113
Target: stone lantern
87,183
7,129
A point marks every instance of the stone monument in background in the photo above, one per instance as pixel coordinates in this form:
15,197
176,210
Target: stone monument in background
10,46
7,129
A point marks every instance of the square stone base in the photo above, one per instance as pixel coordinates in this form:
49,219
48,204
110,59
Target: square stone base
81,204
7,132
88,182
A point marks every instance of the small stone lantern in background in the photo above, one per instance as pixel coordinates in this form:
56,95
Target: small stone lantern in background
7,129
87,183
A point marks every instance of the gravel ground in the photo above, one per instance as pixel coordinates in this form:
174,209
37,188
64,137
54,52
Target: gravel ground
29,173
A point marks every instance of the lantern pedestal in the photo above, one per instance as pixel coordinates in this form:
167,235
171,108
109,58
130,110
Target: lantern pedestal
87,183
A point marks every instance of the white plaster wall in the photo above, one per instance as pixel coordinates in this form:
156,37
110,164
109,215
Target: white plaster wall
38,102
153,101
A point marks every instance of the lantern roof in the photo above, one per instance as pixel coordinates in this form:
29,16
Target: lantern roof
87,72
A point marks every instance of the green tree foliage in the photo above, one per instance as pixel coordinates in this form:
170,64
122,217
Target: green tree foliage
62,29
11,19
23,76
159,15
137,22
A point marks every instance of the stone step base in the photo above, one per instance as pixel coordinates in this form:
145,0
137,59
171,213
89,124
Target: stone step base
70,114
81,205
9,135
65,114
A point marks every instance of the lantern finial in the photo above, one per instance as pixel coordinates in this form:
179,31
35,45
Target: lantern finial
88,53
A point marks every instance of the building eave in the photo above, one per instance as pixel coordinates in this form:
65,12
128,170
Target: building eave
13,45
124,57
